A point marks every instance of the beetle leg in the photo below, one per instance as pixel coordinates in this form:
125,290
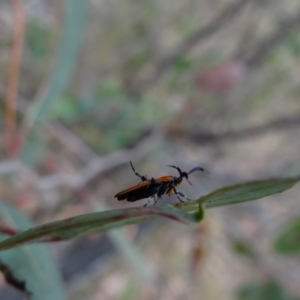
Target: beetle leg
155,200
146,203
182,195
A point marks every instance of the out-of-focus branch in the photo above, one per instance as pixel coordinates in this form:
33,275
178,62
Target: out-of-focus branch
12,166
60,132
262,50
211,138
101,164
13,77
95,166
112,160
107,162
71,141
94,163
165,63
9,166
257,56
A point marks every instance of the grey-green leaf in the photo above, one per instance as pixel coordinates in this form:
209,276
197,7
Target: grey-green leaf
96,222
76,14
248,191
103,221
32,264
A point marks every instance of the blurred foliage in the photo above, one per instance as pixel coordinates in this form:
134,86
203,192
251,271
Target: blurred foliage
243,248
292,43
108,115
288,242
69,47
34,154
38,39
269,290
69,110
181,67
130,292
31,265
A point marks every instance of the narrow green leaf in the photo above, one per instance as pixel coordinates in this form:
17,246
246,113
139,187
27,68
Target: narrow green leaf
32,264
288,242
103,221
242,192
76,13
95,222
247,191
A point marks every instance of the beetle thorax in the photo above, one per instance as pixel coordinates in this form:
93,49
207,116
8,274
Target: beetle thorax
177,180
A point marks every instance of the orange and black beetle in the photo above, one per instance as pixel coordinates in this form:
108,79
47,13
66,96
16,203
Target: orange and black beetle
155,188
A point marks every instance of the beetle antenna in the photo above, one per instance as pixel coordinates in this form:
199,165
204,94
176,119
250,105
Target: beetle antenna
196,169
143,178
193,170
178,169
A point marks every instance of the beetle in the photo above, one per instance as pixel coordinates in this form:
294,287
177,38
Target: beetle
155,188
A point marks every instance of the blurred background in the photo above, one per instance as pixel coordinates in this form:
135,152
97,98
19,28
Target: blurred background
87,86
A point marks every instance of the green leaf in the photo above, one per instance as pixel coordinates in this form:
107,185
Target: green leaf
103,221
96,222
270,290
76,12
37,38
32,264
183,64
242,192
288,242
248,191
111,89
68,109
